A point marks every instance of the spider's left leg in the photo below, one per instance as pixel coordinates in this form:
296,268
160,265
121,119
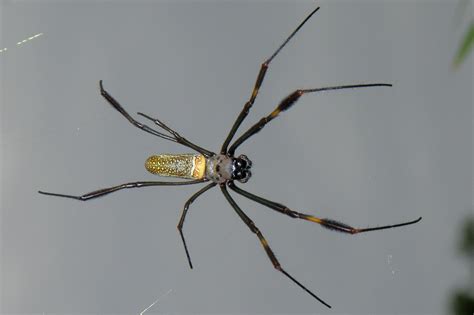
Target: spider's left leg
174,136
180,139
263,241
327,223
285,104
183,216
258,84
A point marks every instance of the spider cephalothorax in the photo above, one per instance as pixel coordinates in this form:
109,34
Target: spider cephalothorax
221,168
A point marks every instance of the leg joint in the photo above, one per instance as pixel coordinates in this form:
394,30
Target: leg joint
255,229
290,213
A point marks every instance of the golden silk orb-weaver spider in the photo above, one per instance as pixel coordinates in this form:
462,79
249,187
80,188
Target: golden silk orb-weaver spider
224,169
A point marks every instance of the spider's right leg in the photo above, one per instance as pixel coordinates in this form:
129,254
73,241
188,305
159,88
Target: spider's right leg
105,191
263,241
183,216
324,222
258,83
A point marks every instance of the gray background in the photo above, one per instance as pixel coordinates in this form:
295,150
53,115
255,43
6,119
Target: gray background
365,157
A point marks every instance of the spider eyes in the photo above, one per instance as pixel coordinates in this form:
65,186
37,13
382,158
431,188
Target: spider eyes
243,162
242,175
241,171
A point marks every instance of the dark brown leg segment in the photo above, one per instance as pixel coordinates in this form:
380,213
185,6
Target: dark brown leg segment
183,216
264,243
327,223
258,84
175,137
105,191
285,104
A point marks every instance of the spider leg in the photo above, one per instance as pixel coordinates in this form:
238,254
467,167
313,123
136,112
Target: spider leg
178,137
258,83
183,216
175,137
105,191
285,104
263,241
327,223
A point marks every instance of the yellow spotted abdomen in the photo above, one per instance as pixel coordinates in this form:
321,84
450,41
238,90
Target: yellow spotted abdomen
191,166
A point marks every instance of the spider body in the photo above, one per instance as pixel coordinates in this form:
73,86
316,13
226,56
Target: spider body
224,169
218,168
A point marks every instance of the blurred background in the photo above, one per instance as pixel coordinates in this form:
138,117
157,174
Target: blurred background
365,157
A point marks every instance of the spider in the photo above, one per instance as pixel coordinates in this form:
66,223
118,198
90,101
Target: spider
224,169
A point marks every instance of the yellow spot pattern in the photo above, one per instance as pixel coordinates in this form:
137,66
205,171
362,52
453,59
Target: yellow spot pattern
191,166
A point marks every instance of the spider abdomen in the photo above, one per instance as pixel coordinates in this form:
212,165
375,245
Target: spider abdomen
191,166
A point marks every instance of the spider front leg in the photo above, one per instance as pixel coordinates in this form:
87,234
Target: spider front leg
285,104
258,83
183,216
263,241
327,223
